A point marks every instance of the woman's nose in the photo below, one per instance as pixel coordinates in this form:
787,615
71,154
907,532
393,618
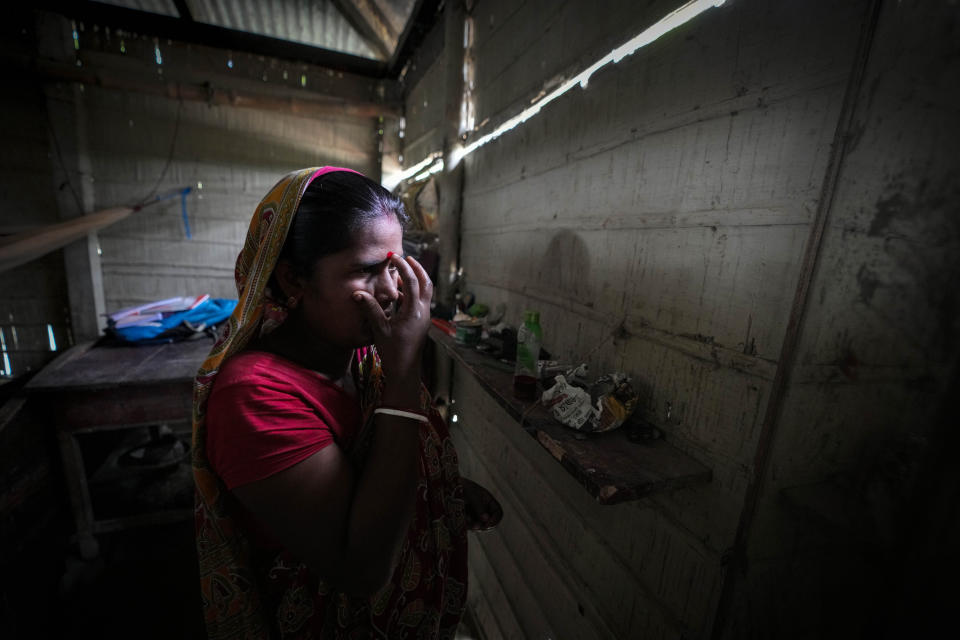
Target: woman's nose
388,286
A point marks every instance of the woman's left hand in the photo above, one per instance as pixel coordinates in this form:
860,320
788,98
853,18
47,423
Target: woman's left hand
482,509
400,336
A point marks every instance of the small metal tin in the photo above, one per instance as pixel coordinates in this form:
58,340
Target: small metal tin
468,332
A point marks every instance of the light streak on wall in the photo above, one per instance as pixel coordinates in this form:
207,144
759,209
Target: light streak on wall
433,163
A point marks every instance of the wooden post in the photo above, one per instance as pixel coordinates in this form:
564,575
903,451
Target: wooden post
450,181
73,189
450,186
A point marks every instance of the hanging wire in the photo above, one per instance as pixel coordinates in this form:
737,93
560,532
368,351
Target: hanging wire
63,165
173,144
140,204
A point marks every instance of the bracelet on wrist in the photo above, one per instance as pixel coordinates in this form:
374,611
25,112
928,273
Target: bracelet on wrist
400,413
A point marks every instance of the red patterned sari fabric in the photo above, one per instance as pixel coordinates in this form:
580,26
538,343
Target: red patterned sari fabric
252,590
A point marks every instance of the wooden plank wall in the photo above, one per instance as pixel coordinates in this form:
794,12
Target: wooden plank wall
136,131
424,98
115,143
672,197
32,295
877,357
237,154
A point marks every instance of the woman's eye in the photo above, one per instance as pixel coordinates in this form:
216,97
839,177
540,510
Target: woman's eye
374,269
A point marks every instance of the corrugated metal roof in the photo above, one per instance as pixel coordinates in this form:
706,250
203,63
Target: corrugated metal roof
316,23
162,7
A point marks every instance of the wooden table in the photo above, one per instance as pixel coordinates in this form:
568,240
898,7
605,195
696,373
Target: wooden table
92,389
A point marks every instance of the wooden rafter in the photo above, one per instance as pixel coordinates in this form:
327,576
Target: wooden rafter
191,31
30,245
422,17
367,18
184,10
301,104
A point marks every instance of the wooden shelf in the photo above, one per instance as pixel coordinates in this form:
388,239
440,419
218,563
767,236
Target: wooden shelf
611,467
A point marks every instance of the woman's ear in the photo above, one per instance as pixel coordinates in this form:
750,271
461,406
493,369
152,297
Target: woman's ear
286,276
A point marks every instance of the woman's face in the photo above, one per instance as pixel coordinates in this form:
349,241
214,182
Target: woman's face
329,310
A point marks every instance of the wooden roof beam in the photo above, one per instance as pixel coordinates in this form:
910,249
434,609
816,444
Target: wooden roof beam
300,104
210,35
367,18
30,245
184,10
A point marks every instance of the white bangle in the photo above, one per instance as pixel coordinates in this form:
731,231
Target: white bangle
402,414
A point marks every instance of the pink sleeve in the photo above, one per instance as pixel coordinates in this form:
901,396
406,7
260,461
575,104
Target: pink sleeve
256,428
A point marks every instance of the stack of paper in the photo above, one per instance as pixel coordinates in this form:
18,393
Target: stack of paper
153,312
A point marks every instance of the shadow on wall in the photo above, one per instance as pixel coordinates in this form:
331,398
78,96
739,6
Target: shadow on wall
561,273
561,276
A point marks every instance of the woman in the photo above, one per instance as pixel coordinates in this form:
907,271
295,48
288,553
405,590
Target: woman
329,502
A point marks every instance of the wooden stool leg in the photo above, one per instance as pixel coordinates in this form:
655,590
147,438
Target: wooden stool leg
75,474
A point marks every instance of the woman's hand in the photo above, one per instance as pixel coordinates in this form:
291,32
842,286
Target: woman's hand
399,336
482,509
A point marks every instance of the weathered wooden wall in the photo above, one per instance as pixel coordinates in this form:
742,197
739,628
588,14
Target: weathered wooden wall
676,196
130,136
32,295
237,154
673,195
876,364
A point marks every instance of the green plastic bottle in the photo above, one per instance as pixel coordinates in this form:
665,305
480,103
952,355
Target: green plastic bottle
525,373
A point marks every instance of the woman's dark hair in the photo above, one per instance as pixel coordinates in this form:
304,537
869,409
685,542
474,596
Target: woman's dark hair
333,208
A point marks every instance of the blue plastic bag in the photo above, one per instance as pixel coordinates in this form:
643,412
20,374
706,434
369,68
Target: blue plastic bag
179,325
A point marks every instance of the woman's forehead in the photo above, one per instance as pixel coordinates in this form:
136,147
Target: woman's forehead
371,243
380,231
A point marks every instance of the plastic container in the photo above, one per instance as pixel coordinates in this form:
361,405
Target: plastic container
525,373
468,332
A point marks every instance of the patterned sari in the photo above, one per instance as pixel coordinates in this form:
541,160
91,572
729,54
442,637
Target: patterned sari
249,592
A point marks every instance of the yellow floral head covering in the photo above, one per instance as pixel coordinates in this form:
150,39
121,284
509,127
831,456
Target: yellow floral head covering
231,605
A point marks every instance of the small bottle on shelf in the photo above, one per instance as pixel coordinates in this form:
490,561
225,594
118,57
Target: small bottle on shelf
525,373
